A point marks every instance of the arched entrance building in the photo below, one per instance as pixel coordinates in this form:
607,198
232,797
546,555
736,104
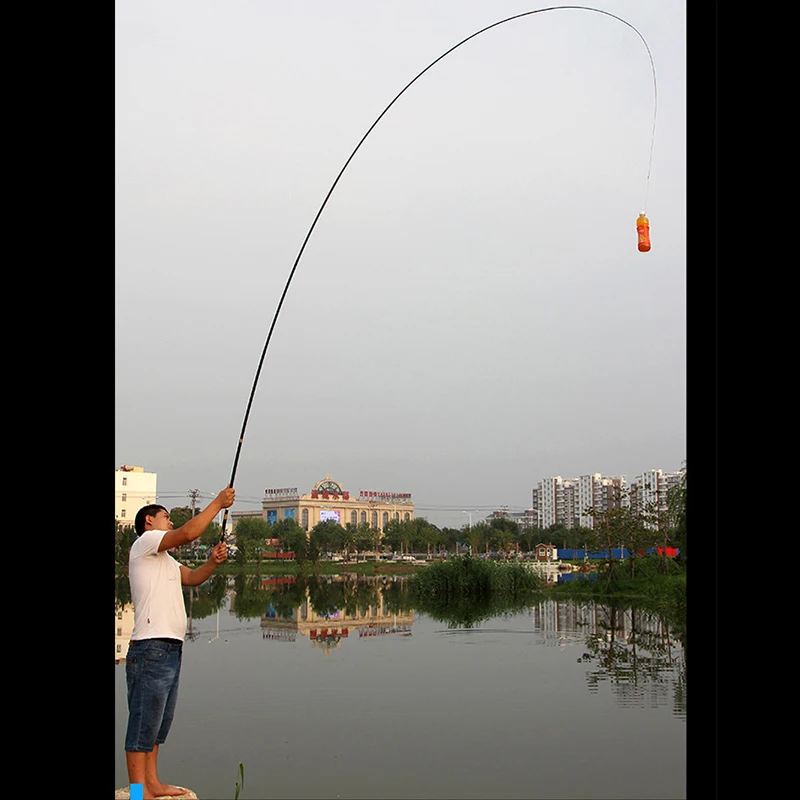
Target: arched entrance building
329,501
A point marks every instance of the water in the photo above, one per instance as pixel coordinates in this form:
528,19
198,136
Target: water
552,702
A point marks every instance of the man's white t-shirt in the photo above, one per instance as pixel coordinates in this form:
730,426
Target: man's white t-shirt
155,578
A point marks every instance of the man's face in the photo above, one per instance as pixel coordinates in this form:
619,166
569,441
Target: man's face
160,522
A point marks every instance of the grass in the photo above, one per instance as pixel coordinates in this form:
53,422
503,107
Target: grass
649,588
322,568
463,591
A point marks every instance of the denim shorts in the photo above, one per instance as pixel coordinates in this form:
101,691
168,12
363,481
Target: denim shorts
152,670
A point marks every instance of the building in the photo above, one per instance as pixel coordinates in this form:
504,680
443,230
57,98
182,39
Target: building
649,495
133,488
561,501
599,493
555,502
328,500
545,551
525,519
123,628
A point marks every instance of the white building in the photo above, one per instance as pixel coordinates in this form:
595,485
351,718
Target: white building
650,492
123,628
600,493
133,488
555,502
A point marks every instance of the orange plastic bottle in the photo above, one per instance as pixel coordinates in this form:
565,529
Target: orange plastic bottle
643,229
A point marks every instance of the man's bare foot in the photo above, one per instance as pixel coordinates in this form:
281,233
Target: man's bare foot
164,790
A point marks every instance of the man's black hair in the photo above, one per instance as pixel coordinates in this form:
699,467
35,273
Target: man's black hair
146,511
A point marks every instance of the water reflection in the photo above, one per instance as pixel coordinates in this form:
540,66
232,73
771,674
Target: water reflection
636,652
328,610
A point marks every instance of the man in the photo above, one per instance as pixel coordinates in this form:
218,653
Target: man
153,662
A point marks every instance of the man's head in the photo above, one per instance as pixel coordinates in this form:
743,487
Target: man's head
152,517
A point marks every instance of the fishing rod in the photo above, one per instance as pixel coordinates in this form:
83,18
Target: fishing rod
642,223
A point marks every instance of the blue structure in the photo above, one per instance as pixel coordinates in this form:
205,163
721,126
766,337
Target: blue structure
577,554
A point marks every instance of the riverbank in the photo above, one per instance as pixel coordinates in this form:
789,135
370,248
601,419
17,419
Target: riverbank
322,568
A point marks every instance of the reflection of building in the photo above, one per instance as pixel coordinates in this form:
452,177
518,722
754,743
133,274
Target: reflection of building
327,630
573,622
123,627
328,501
133,488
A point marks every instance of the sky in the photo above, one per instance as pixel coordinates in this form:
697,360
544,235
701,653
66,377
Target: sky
470,313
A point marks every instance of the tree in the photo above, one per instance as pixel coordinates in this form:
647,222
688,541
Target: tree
251,538
503,532
327,535
478,536
210,536
450,539
124,537
180,515
292,538
625,527
366,538
676,505
392,534
423,534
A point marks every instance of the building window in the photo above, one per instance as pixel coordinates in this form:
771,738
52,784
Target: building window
124,497
374,520
122,514
354,518
119,631
124,481
363,517
119,648
406,517
304,518
385,518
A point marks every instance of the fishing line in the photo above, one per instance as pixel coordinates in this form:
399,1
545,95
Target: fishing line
358,146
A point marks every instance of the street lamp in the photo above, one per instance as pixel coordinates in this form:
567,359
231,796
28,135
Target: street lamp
469,529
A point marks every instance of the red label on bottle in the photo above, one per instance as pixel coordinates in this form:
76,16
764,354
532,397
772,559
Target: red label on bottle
644,238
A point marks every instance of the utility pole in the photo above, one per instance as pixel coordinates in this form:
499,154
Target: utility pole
193,494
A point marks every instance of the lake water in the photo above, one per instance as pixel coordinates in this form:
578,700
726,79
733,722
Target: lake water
375,700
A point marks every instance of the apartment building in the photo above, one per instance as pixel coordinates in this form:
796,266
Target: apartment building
649,491
554,501
564,501
600,493
133,488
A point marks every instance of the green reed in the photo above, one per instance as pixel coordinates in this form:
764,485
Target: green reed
241,777
463,591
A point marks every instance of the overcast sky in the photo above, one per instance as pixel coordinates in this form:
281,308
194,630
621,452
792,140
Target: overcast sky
471,313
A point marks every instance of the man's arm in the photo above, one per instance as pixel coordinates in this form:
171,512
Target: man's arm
194,527
194,577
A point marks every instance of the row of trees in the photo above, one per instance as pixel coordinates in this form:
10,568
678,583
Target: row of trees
635,529
640,528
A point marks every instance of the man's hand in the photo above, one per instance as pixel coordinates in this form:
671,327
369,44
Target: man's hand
226,497
219,552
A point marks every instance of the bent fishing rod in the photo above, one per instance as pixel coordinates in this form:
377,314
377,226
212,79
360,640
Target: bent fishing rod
643,234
